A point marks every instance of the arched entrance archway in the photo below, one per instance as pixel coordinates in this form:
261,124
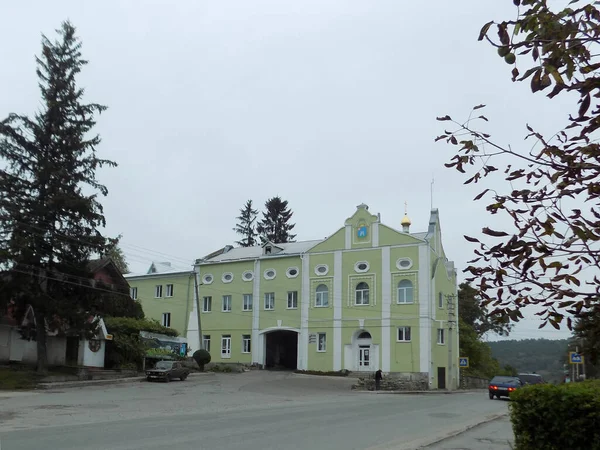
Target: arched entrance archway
361,354
280,348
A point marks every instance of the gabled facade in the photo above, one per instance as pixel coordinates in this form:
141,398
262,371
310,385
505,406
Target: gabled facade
367,297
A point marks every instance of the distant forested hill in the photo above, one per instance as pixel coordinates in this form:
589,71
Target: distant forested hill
542,356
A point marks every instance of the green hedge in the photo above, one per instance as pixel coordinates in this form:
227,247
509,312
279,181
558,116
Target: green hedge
553,417
126,349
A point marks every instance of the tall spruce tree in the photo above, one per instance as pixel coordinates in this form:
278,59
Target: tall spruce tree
49,197
275,225
115,252
246,225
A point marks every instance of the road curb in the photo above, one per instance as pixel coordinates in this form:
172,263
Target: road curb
429,441
86,383
432,392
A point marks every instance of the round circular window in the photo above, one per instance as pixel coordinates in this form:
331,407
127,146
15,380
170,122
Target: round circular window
321,269
270,274
207,279
361,266
404,263
227,277
292,272
248,275
94,345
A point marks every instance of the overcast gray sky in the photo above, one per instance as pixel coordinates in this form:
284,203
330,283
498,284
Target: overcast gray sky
327,103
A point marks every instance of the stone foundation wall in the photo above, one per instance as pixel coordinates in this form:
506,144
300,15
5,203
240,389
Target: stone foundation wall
473,383
417,381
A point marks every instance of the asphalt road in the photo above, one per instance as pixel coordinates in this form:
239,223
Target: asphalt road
496,435
256,410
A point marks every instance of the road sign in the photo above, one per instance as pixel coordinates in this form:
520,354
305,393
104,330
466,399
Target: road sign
463,362
575,358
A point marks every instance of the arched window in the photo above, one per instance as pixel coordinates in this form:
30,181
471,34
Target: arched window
364,335
322,298
405,292
362,294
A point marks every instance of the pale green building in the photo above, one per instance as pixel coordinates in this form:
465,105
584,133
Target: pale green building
367,297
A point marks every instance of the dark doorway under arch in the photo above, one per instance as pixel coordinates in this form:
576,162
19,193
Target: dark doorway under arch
281,350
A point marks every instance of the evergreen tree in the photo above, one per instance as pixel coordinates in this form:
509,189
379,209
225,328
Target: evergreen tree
246,225
115,253
275,226
48,197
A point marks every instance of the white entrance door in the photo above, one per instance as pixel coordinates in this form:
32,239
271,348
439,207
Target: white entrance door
364,357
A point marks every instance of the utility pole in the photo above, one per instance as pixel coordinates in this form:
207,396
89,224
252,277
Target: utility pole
451,324
197,295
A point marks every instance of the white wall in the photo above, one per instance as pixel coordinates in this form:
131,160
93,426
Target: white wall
13,348
91,359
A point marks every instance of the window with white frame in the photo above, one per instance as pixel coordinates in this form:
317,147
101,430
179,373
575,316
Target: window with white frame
322,296
207,279
292,299
158,291
361,266
166,320
269,301
248,275
226,303
207,304
321,342
226,346
405,292
246,348
440,300
292,272
270,274
322,269
133,293
169,290
247,303
206,342
441,336
362,294
227,277
403,334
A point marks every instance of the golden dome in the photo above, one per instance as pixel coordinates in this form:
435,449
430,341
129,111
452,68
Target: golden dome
405,220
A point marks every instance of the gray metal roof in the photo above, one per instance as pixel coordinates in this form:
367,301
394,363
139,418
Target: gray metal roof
291,248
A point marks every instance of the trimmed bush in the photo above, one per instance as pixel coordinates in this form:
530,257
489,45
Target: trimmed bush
552,417
340,373
202,357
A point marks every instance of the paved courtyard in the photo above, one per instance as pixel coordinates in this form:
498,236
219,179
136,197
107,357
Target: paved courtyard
254,410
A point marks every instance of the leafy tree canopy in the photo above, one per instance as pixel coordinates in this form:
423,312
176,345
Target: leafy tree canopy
552,189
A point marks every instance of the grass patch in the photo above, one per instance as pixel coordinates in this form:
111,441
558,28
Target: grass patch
12,379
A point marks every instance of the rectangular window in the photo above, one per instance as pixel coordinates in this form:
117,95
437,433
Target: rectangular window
322,296
206,342
292,300
245,343
207,304
166,320
158,291
403,334
226,346
169,290
270,301
226,303
441,336
321,342
247,302
133,293
440,300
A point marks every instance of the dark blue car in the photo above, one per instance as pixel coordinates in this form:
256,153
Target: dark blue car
503,386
